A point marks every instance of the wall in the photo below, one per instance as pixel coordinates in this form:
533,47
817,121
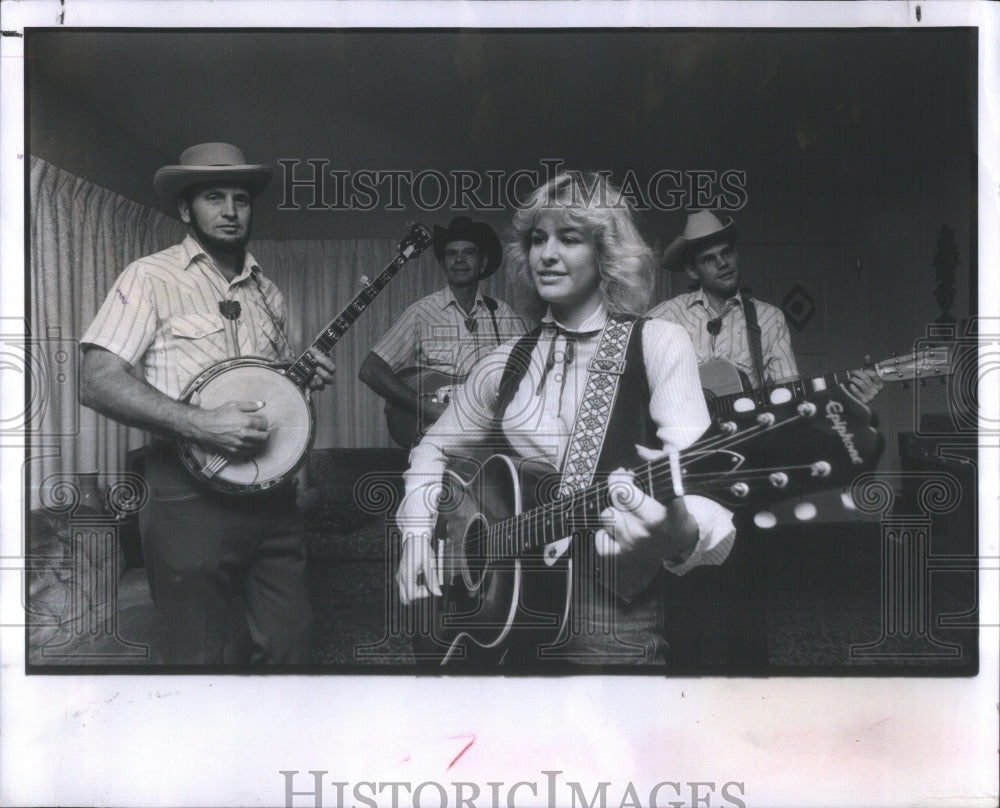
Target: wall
77,138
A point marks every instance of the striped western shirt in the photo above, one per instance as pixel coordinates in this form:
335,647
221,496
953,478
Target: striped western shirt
691,311
435,333
163,316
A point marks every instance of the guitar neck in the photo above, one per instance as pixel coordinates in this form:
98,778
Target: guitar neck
722,406
786,451
302,369
577,511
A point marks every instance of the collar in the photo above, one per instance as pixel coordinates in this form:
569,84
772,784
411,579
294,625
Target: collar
594,324
698,296
192,251
448,298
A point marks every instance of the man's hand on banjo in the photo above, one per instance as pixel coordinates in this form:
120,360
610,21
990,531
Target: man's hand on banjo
325,368
232,428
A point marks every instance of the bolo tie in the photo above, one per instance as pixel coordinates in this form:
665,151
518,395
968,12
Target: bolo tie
230,309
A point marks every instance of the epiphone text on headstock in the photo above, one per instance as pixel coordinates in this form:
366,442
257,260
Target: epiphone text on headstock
833,410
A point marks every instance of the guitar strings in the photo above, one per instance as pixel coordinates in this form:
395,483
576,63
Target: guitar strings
656,471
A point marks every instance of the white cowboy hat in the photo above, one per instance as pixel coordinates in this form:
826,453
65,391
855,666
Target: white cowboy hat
702,227
211,162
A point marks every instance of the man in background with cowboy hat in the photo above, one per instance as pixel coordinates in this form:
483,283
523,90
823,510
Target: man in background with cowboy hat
719,321
715,316
169,316
447,331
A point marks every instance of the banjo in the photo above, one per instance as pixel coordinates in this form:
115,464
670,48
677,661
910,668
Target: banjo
282,389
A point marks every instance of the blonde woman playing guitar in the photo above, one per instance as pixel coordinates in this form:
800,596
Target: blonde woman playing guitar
591,273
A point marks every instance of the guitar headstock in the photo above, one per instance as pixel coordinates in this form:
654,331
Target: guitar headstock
785,451
923,364
416,241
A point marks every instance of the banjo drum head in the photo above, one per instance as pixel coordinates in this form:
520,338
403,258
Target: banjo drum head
287,414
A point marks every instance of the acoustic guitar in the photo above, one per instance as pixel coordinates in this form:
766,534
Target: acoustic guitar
405,427
505,543
728,390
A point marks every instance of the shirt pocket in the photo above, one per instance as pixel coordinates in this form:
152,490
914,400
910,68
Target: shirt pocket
199,340
438,357
195,326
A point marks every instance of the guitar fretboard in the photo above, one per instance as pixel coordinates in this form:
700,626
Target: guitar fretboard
722,406
576,512
778,454
932,362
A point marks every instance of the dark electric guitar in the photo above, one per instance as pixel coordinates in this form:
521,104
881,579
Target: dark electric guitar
506,544
728,389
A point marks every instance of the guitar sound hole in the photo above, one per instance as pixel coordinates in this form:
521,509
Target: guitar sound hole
475,555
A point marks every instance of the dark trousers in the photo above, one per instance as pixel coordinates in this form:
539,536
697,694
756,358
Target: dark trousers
744,597
203,549
603,630
731,598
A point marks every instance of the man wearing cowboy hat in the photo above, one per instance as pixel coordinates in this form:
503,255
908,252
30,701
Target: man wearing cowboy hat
447,331
715,314
171,315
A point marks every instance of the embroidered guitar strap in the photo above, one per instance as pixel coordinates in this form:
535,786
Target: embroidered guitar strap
596,405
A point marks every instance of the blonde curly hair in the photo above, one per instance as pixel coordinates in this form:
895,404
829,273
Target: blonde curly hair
590,203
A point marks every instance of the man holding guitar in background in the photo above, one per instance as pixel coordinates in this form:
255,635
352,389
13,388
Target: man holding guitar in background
174,314
739,342
718,317
438,340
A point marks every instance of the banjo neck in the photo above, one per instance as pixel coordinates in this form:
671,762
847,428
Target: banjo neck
302,369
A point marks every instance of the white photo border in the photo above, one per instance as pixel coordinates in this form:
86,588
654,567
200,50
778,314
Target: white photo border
214,740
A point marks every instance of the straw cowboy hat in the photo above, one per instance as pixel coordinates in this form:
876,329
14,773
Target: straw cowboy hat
211,162
462,228
702,228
